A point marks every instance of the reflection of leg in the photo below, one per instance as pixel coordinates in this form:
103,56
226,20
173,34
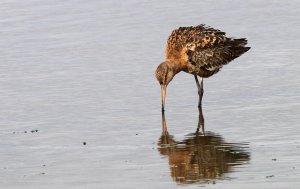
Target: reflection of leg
200,89
201,121
200,155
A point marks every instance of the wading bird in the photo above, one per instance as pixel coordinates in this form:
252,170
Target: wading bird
198,50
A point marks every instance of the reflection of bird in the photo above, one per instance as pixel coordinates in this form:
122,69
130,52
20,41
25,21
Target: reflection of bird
201,51
200,158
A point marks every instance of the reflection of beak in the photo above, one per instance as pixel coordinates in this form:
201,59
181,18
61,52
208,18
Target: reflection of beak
163,96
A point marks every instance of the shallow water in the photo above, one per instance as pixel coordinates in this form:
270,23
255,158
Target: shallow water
75,72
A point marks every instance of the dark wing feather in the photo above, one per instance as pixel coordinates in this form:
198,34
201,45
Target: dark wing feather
214,55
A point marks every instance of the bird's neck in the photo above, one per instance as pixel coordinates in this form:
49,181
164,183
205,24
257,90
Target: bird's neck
175,65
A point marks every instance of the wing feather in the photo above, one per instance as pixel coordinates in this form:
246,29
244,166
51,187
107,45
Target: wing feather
204,47
214,57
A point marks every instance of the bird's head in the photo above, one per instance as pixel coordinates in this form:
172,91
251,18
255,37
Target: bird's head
164,74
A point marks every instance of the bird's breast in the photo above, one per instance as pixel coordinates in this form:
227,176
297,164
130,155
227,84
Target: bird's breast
200,71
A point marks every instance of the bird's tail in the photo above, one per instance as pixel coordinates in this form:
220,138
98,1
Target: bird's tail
239,46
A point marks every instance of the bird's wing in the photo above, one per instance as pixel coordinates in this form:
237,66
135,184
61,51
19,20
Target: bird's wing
190,38
211,49
204,46
213,57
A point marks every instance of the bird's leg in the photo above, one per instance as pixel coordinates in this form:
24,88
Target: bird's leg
201,122
200,90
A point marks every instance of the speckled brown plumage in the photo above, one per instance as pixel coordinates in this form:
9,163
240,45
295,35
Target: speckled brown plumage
203,50
198,50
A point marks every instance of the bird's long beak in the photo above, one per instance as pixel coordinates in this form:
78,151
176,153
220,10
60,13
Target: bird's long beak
163,96
164,124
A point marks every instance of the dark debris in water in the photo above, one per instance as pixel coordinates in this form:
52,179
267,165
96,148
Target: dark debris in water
32,131
269,176
84,143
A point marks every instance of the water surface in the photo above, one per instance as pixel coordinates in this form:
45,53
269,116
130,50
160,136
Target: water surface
78,71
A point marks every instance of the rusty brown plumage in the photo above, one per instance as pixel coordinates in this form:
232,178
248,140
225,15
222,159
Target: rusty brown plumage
203,50
198,50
